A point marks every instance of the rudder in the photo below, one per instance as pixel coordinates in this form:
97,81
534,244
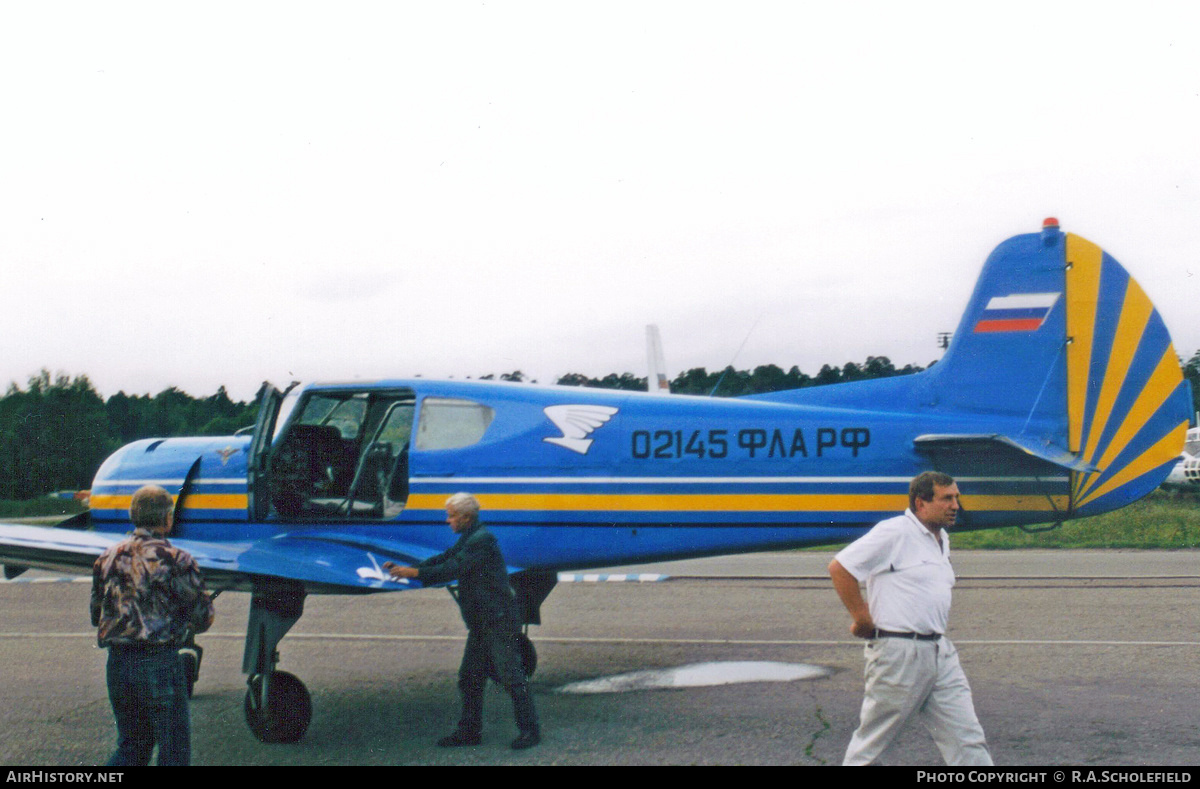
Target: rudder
1065,346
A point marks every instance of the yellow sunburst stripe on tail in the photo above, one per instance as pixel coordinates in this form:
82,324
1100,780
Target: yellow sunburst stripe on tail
1158,388
1162,452
1083,291
1135,314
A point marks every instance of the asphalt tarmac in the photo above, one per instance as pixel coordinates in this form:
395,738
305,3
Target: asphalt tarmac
1084,658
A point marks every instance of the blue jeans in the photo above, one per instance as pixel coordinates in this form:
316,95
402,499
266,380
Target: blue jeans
149,700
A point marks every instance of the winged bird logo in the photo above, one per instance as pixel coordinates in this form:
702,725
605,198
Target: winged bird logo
576,423
377,573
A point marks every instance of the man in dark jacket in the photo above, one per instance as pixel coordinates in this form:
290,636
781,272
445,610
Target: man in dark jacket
489,609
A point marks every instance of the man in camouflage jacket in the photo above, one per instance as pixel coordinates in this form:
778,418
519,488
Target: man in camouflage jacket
146,596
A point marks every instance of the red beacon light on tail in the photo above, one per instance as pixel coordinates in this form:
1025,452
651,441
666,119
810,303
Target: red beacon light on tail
1050,231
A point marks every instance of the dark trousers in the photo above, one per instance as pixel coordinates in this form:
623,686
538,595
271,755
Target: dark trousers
498,647
149,699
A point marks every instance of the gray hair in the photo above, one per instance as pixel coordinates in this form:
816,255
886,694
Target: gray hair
150,507
465,504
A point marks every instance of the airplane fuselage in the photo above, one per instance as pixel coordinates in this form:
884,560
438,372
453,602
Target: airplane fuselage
656,478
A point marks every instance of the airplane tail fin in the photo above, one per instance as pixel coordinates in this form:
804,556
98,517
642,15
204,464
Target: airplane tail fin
1061,344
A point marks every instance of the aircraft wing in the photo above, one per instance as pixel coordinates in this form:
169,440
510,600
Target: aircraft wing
65,550
328,562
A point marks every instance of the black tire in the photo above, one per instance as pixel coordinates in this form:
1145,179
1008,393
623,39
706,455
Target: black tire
528,659
283,716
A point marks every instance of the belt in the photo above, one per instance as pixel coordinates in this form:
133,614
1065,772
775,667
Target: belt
914,636
144,647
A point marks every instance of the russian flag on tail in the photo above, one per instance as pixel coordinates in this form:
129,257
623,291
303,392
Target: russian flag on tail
1015,313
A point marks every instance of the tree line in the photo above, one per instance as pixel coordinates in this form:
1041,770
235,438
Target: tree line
734,383
55,432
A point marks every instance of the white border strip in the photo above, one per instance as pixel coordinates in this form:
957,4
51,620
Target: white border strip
1038,642
606,480
640,578
705,480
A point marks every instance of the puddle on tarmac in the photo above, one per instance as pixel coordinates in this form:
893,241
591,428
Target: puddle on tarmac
699,675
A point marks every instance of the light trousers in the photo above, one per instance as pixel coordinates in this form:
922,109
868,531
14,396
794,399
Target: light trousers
906,677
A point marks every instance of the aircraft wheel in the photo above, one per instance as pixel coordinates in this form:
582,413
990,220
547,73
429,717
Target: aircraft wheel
190,659
528,658
286,712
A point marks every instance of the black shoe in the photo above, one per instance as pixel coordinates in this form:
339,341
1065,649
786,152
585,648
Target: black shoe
459,738
528,739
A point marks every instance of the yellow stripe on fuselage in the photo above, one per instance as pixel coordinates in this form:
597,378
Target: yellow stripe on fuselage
665,502
194,501
731,502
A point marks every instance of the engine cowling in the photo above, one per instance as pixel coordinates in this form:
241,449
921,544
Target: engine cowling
217,486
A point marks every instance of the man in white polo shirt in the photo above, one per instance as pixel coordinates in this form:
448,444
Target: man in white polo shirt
911,666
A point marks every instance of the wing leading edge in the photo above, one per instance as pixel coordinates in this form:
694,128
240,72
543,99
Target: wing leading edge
325,562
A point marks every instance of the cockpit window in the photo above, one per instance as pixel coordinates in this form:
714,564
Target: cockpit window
450,423
344,413
397,425
345,455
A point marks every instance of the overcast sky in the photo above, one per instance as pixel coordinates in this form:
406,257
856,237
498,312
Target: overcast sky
219,193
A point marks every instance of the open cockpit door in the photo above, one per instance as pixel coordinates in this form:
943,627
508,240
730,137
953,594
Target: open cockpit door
379,487
258,480
341,452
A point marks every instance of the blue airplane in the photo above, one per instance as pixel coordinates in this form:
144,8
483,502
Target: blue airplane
1060,396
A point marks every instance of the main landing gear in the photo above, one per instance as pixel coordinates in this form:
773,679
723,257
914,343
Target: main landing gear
278,707
529,658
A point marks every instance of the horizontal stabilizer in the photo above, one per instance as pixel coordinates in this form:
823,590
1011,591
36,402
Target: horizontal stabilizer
1040,449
